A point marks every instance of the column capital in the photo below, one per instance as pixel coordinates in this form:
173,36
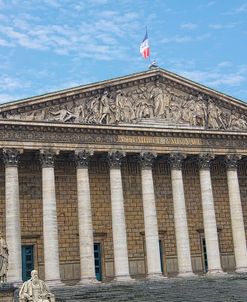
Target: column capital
47,158
204,160
115,158
146,159
82,158
11,157
176,160
231,161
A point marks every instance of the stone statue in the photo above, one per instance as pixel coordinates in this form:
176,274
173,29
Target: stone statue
4,253
35,290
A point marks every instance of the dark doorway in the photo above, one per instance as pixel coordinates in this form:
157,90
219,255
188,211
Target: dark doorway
27,261
97,261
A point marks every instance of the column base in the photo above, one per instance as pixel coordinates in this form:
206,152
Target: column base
88,281
216,273
156,276
241,270
54,283
123,278
186,275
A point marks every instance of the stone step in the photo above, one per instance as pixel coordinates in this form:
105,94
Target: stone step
201,289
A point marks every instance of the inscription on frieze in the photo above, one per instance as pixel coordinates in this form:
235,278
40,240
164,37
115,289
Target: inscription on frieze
158,140
114,139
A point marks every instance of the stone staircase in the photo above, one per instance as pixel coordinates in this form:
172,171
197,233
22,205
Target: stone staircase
199,289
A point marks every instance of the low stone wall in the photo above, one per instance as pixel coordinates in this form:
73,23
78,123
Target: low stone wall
7,292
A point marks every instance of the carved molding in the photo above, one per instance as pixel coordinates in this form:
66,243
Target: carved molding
146,159
47,159
156,100
82,158
176,160
204,160
115,158
11,157
231,161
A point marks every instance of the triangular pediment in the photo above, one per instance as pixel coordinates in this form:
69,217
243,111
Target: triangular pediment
153,98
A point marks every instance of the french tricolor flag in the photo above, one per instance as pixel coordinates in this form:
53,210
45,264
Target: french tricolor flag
144,48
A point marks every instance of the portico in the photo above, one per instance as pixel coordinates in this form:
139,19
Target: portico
158,198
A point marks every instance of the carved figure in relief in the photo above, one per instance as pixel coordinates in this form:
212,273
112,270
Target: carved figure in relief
105,109
93,114
35,290
200,112
157,96
4,254
62,115
215,119
237,122
187,107
124,107
176,111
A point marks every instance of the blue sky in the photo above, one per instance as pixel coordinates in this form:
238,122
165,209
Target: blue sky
48,45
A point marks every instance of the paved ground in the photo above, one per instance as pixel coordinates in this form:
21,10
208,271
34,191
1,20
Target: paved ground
203,289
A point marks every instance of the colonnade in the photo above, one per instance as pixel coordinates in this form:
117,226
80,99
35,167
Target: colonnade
120,247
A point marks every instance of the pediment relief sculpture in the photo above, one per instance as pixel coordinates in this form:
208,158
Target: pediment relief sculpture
154,100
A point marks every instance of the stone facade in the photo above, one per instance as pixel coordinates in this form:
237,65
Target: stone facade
41,125
31,213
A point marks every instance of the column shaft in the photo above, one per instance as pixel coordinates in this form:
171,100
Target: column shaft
50,231
181,226
150,217
121,263
209,221
13,228
85,221
238,231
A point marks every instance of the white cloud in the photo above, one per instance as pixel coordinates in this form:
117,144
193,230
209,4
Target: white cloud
223,26
185,39
208,4
214,78
5,97
224,64
7,82
242,8
189,26
98,39
238,10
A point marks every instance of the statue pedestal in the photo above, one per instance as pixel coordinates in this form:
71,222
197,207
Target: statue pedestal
7,292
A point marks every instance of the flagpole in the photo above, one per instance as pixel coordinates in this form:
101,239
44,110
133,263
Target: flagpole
149,57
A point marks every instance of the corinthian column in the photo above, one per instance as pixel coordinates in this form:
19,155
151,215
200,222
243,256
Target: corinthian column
85,218
121,263
209,219
13,227
150,216
180,217
50,232
238,231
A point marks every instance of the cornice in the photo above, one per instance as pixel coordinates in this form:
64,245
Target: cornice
120,130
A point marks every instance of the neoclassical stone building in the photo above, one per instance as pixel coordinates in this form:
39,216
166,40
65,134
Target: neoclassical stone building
135,177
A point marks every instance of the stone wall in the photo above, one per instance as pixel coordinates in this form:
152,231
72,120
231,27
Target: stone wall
7,293
31,213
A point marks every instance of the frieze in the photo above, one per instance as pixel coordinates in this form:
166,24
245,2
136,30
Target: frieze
144,101
101,138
